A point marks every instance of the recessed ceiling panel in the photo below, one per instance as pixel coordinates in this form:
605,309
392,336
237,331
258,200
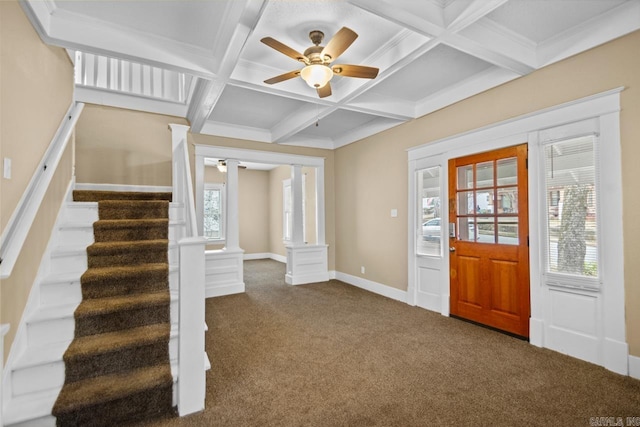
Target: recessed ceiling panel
539,20
245,107
439,68
191,22
337,124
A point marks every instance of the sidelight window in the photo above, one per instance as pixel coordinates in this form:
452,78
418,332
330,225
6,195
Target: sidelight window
572,218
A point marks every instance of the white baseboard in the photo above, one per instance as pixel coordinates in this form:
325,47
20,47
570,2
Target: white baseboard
279,258
220,291
304,279
263,255
124,187
536,332
332,274
375,287
616,356
634,367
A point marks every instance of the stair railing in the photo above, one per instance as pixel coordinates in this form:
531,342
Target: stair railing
191,355
21,220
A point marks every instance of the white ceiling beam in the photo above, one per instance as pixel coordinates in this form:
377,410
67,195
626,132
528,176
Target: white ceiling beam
615,23
391,12
77,32
488,54
361,132
476,84
299,120
236,131
462,13
503,41
247,14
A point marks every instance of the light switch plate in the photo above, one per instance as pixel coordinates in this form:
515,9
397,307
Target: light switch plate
394,213
6,168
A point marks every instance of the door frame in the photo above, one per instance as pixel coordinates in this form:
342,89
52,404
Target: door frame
610,346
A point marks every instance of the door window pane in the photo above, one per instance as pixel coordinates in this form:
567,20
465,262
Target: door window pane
465,177
429,215
467,229
572,244
508,231
484,202
466,203
507,200
484,175
486,230
507,171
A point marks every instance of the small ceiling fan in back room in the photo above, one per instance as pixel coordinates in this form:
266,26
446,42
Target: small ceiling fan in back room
318,70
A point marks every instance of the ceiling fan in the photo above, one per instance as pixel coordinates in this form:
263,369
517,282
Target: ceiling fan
317,71
222,166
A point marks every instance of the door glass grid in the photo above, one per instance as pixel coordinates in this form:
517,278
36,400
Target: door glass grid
487,202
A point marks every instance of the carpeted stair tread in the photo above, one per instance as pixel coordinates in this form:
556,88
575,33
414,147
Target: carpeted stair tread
103,354
107,230
104,254
102,282
133,209
113,341
97,196
86,393
99,306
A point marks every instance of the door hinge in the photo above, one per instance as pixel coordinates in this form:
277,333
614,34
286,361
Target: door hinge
527,241
526,163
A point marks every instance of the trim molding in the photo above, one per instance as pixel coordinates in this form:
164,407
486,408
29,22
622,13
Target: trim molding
220,291
634,367
260,255
371,286
279,258
124,187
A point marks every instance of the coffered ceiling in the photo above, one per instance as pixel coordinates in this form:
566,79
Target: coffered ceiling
430,53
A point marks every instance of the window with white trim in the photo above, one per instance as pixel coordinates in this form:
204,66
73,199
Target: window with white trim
571,184
428,241
214,211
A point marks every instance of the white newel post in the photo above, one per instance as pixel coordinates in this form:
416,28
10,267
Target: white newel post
233,223
191,356
178,135
320,224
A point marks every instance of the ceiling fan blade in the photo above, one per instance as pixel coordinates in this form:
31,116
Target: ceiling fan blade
324,91
360,71
283,77
339,43
283,48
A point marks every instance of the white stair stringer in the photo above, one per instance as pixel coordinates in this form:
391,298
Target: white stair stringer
34,377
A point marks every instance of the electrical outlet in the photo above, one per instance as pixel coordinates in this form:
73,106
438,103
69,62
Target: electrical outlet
362,269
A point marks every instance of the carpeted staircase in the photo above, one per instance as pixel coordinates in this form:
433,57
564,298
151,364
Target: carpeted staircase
117,366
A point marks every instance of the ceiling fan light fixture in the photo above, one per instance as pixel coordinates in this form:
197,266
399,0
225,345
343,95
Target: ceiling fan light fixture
316,75
222,166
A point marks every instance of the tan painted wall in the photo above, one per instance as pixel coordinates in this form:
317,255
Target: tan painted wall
36,91
276,198
276,176
117,146
253,204
253,207
371,175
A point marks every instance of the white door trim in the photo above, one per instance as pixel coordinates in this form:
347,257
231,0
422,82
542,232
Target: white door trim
612,349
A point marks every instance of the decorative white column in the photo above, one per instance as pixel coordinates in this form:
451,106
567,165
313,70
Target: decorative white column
233,225
320,221
297,233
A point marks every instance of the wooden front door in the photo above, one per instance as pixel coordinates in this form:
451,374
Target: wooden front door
489,253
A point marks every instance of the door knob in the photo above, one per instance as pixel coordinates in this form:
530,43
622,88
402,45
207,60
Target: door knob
452,249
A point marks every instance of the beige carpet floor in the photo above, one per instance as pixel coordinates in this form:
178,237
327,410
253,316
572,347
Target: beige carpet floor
330,354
